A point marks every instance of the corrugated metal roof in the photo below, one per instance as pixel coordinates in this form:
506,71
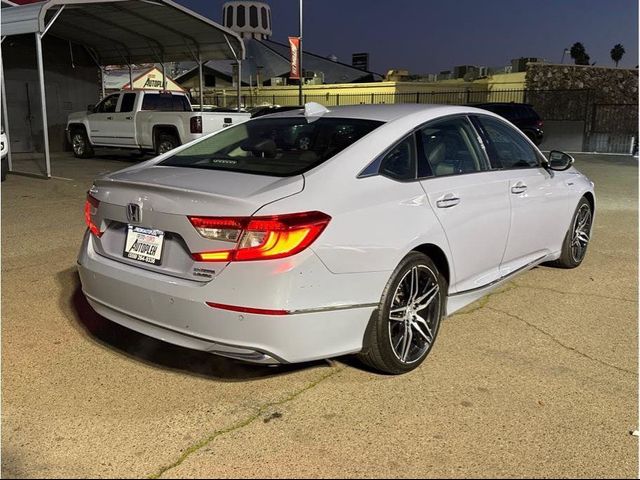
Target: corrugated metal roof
127,31
273,58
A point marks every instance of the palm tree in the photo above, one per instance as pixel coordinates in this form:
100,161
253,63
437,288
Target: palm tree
617,52
579,54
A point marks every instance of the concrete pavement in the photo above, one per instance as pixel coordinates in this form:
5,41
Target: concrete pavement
538,380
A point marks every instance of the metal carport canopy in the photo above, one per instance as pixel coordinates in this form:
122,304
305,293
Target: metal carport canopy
127,31
118,32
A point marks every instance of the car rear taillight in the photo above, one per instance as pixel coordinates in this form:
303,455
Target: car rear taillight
260,238
90,209
196,124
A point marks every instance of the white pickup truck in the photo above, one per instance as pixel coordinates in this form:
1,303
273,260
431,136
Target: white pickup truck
144,120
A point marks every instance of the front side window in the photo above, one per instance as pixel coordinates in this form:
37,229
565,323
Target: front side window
400,162
278,147
449,147
108,105
506,146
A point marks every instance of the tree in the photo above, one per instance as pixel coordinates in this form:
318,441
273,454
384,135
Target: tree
617,52
579,54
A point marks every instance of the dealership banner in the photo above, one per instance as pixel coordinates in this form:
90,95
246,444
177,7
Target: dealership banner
294,43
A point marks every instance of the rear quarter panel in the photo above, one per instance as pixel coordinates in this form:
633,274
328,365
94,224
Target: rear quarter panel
146,120
376,221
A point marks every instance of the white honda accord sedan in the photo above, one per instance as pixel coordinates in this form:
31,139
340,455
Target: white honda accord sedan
314,233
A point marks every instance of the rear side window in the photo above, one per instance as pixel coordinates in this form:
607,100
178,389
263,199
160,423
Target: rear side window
165,102
278,147
400,162
506,146
128,100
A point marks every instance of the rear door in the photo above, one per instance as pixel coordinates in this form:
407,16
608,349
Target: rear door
538,197
470,200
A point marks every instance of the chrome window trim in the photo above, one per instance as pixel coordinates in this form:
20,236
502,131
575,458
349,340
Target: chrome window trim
373,168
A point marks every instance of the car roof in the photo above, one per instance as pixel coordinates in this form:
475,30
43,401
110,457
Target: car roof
502,104
383,112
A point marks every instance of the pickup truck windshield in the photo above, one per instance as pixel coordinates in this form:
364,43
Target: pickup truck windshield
278,147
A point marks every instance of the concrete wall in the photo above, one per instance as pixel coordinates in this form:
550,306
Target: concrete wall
563,135
69,86
607,85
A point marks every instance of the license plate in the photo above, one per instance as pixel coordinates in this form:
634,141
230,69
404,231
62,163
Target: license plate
144,245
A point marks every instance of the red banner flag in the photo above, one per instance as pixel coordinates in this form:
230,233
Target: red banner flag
294,43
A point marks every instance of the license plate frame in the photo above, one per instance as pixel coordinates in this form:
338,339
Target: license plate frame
149,244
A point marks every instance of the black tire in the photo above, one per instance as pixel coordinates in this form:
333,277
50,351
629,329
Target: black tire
378,350
80,144
576,241
166,142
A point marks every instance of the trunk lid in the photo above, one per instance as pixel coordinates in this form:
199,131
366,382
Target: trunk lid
165,197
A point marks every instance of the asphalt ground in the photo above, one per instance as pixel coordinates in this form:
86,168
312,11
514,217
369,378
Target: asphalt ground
540,379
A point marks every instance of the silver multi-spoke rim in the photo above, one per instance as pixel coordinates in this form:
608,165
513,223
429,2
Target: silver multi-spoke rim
78,144
165,147
581,232
414,314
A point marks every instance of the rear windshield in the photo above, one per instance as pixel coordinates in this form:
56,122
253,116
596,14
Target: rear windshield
279,147
165,102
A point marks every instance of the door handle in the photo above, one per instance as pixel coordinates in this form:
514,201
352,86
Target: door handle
448,201
128,118
109,118
518,188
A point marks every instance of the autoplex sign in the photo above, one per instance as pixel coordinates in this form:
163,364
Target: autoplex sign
294,43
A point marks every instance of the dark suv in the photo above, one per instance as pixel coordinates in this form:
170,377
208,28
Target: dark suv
522,115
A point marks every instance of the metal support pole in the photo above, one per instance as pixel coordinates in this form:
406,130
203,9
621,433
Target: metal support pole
43,104
239,81
130,77
300,60
102,82
201,83
5,114
164,78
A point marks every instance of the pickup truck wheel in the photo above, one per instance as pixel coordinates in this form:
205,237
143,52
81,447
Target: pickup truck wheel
81,145
165,143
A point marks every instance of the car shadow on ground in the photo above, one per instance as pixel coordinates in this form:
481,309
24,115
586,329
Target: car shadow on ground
155,352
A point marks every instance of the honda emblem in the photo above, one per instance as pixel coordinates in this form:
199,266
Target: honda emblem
134,213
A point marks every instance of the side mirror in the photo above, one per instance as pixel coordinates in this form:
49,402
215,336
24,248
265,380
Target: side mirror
559,161
91,108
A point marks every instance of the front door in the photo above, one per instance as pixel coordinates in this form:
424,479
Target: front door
122,124
538,197
101,121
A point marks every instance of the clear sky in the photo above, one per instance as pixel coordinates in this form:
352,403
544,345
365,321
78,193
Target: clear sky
427,36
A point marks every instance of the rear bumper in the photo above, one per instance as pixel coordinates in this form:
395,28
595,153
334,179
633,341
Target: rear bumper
174,310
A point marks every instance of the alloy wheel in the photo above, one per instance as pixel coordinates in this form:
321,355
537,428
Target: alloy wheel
581,232
165,146
78,143
414,314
